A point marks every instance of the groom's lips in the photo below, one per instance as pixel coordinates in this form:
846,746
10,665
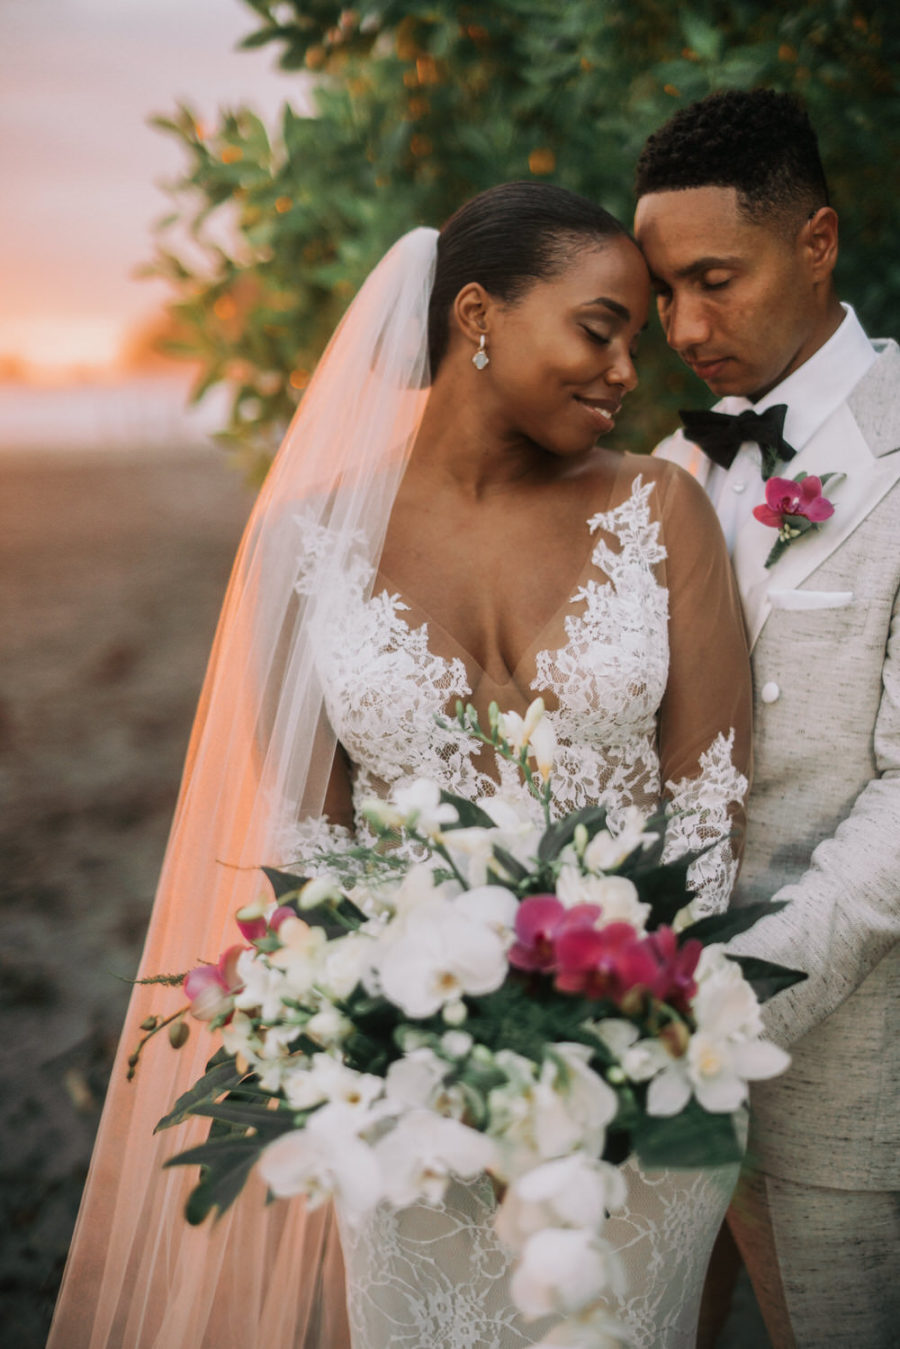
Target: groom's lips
709,369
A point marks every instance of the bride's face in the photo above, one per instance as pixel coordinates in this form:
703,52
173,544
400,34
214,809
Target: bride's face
562,356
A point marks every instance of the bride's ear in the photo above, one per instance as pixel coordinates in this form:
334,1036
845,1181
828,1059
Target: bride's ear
471,311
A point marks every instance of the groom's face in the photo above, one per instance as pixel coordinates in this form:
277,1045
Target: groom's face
734,296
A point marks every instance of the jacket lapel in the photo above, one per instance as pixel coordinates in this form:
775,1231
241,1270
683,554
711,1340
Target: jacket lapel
859,440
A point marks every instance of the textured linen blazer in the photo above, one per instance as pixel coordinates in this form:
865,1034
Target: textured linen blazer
824,811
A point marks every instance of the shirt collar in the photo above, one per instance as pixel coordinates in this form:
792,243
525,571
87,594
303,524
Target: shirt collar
820,385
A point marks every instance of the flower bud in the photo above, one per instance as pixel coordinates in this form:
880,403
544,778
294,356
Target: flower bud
455,1013
150,1023
676,1038
178,1034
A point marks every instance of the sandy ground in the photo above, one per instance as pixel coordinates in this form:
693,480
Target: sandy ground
111,574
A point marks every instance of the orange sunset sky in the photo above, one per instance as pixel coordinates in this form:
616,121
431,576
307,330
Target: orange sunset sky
81,168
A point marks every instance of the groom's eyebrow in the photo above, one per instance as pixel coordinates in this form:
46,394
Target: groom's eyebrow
705,265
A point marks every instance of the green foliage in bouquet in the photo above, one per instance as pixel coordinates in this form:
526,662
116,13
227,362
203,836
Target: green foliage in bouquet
420,104
536,1007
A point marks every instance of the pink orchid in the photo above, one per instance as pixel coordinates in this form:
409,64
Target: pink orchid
211,988
604,964
674,982
254,925
785,497
540,921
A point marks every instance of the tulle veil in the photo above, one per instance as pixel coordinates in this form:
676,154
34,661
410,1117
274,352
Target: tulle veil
138,1277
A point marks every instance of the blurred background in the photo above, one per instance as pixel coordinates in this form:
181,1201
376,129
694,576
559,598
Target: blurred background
192,193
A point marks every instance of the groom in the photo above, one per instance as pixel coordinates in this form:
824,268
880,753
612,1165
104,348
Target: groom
733,218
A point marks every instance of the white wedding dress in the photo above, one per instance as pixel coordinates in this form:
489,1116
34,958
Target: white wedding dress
607,664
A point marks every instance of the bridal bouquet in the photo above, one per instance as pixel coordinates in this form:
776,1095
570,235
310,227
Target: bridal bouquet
484,989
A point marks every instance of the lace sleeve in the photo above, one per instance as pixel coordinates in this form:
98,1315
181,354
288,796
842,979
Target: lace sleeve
705,716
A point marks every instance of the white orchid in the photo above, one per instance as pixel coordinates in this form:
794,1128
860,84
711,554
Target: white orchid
323,1078
615,895
321,1163
440,955
724,999
566,1106
574,1191
419,1156
415,1079
716,1070
565,1270
493,905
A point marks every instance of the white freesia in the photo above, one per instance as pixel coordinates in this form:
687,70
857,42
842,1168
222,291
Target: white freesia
574,1191
615,895
515,831
328,1027
517,730
607,850
561,1270
440,955
299,956
320,890
418,1157
543,746
263,987
322,1163
420,806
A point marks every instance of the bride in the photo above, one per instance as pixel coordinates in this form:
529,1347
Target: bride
439,524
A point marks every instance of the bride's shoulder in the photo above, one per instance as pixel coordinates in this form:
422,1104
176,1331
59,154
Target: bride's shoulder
611,476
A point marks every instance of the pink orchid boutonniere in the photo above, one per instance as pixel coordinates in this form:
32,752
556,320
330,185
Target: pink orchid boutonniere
794,506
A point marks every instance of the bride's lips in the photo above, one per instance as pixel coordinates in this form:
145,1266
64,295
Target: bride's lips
602,411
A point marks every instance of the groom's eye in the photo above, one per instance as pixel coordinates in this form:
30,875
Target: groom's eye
715,281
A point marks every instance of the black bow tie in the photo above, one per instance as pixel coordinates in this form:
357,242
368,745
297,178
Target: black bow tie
721,435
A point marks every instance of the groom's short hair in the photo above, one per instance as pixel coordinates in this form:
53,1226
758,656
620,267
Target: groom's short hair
757,141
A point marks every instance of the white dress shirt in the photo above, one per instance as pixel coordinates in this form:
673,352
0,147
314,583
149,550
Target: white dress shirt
812,392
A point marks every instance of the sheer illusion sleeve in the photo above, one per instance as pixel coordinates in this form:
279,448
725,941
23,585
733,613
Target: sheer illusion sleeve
705,716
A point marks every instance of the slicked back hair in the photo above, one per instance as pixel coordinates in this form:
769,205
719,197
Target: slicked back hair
506,239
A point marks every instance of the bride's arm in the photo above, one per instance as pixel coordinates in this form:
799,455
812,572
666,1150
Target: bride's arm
705,716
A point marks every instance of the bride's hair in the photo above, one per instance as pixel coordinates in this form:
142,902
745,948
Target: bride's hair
506,239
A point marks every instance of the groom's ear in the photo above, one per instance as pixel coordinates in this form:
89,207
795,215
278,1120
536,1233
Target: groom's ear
471,310
819,241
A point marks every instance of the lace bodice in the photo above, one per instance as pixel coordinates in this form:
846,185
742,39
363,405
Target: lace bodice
390,674
639,715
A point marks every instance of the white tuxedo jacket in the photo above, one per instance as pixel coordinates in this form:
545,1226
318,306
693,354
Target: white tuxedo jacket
824,814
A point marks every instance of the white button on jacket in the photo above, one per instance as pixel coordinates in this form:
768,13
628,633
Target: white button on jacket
770,692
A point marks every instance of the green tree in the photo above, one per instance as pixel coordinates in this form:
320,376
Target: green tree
422,103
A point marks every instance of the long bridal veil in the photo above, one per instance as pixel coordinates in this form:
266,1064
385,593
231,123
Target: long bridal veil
259,759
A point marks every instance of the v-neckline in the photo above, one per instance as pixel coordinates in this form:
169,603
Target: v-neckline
384,584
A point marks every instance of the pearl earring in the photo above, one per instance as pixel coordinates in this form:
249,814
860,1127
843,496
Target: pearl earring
481,358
